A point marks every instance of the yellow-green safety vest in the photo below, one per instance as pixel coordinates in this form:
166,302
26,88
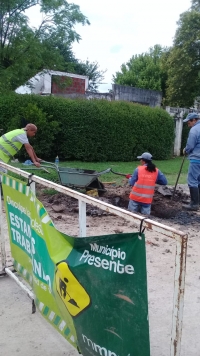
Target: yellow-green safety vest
8,146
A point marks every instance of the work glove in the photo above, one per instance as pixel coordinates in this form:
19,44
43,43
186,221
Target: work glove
128,176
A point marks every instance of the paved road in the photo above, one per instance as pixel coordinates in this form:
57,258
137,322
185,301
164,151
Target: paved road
23,333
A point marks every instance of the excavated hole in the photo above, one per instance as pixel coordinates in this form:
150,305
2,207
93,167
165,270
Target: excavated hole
163,206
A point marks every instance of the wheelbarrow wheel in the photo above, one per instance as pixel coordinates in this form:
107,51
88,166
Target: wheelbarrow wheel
96,184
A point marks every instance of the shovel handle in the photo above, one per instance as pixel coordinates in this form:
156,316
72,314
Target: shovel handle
119,174
178,176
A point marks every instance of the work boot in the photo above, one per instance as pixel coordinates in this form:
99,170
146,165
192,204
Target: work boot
194,195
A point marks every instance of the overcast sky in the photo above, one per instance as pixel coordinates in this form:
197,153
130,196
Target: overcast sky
120,29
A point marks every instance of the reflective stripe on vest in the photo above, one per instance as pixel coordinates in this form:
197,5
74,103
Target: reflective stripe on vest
143,189
143,195
144,186
8,146
10,143
5,151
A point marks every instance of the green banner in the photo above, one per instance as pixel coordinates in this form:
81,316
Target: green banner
92,290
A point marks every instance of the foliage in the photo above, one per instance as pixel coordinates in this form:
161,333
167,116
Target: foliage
183,62
20,113
91,69
144,70
24,50
73,65
196,5
95,130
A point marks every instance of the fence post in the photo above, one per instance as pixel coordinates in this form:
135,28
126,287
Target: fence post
32,187
2,238
82,218
179,289
177,114
178,134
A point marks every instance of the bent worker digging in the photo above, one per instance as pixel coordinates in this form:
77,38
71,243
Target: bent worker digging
11,143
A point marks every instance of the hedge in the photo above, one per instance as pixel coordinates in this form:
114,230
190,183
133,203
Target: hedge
89,130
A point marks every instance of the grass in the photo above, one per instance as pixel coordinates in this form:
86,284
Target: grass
169,167
50,191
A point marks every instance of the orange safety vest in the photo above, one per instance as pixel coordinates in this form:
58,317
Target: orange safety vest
143,189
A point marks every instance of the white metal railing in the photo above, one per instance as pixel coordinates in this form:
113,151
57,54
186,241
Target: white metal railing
178,236
2,240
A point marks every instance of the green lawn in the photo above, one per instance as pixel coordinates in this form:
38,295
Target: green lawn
169,167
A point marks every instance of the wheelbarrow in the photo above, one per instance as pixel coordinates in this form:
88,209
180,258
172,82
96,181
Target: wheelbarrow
76,178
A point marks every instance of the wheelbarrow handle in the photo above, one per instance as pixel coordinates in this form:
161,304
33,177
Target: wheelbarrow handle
104,172
50,163
37,169
46,166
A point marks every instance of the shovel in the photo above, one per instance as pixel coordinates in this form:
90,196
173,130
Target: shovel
178,176
119,174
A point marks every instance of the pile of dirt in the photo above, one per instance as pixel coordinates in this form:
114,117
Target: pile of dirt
165,205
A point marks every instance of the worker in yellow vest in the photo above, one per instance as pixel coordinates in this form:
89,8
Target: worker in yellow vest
11,143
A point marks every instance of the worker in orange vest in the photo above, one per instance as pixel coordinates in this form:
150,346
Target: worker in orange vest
143,181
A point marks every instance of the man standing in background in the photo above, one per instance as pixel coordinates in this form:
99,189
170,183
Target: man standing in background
192,150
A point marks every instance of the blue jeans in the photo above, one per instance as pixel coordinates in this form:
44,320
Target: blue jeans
194,175
136,206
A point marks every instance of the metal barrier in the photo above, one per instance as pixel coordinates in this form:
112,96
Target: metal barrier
2,240
178,236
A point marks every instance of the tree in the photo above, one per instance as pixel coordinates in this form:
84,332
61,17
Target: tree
195,5
183,63
25,50
74,65
91,69
144,70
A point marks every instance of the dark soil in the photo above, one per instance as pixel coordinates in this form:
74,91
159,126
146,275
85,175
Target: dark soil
163,206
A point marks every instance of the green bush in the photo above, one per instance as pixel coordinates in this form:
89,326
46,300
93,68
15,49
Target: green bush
90,130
